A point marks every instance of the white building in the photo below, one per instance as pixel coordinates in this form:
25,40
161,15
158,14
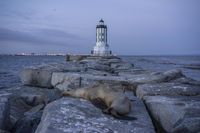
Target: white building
101,48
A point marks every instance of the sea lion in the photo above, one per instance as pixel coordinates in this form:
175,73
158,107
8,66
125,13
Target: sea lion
116,101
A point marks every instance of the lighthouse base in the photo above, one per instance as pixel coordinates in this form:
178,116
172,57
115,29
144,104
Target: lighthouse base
101,51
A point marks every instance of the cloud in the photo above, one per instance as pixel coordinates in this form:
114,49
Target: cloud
39,36
57,33
18,14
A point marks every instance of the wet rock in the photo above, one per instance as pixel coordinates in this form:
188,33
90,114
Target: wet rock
34,99
27,101
64,81
114,60
75,57
40,76
134,72
122,66
28,123
34,110
4,111
173,74
36,77
156,77
170,89
78,115
100,73
175,114
33,96
98,66
4,131
186,80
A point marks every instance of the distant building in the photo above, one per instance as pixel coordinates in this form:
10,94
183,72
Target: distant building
102,47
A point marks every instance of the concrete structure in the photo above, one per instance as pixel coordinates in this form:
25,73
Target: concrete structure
101,48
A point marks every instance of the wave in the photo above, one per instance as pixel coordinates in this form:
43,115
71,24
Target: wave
192,66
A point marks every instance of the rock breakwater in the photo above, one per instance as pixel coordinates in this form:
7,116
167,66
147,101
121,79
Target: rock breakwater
162,102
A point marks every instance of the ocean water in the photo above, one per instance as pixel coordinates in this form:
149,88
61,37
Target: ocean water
190,65
10,66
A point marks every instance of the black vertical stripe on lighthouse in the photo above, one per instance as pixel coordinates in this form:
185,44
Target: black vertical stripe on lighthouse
96,34
106,35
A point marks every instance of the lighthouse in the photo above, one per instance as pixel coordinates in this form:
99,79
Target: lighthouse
101,48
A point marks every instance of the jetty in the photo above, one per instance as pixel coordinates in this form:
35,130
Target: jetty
161,102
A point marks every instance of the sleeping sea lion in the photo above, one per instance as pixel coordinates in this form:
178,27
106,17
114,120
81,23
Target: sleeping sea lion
116,101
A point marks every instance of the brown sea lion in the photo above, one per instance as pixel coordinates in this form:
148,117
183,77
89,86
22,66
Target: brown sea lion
116,101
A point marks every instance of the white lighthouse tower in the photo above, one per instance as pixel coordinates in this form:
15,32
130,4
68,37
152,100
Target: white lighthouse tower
101,48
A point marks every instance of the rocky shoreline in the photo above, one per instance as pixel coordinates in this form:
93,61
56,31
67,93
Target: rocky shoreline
162,102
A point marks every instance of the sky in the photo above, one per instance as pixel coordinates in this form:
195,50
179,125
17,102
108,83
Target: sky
135,27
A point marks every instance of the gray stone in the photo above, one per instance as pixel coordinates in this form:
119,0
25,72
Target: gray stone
36,77
33,96
156,77
28,123
122,66
75,57
34,110
170,89
175,114
40,76
173,74
186,80
114,60
64,81
98,66
134,72
27,101
4,111
3,131
99,73
78,115
34,99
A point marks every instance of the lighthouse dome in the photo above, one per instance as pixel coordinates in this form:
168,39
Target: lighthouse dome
101,21
101,24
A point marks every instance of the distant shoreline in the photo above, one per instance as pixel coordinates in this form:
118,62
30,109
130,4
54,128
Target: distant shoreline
85,54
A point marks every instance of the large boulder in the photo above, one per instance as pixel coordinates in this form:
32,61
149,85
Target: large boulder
100,73
156,77
75,57
4,131
36,77
28,123
64,81
186,80
4,111
97,65
173,74
33,96
170,89
120,66
175,114
40,76
78,115
27,104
